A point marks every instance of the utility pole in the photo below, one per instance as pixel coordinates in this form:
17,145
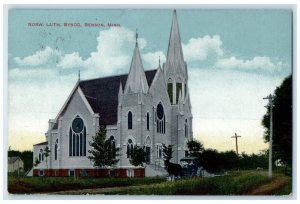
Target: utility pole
270,105
236,142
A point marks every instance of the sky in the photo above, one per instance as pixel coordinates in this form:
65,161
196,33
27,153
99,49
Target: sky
234,58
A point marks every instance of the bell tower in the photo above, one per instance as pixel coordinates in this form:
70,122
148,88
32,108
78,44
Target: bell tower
175,68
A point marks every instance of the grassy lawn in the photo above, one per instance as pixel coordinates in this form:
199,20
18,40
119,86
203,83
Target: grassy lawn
235,183
53,184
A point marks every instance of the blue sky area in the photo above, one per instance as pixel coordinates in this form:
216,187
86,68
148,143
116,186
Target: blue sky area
235,58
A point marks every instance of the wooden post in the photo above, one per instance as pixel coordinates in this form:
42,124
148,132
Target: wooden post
236,142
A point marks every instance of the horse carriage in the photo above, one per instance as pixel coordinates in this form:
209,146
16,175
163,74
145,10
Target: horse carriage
188,167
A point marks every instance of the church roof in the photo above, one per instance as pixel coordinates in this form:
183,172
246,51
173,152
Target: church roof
102,95
42,143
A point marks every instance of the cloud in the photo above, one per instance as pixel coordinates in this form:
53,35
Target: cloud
198,49
150,59
258,63
112,54
70,61
41,57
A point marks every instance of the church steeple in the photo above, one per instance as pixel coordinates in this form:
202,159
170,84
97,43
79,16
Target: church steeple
175,68
136,81
175,61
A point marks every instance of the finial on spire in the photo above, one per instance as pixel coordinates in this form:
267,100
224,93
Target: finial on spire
79,75
136,36
159,61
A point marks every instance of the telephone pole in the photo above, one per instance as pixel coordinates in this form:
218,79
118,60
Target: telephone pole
270,105
236,142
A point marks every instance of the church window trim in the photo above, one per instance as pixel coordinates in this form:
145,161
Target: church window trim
159,151
77,138
148,121
129,151
129,120
186,128
148,150
160,119
56,149
41,155
112,142
170,89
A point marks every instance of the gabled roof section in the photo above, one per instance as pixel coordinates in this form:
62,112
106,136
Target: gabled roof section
12,160
136,81
102,95
42,143
175,58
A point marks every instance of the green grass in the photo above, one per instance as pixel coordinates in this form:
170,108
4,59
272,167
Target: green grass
52,184
236,183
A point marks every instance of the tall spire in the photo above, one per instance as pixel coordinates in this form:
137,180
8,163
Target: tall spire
136,37
175,59
136,80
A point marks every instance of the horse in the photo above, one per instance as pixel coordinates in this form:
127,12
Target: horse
174,170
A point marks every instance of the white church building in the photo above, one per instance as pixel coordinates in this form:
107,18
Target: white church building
147,108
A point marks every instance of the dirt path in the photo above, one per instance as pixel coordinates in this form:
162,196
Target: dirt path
267,189
92,191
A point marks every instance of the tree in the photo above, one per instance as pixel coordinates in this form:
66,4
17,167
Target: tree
103,152
282,122
26,156
46,153
167,152
195,148
138,156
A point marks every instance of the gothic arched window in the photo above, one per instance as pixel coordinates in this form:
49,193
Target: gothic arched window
77,138
186,128
55,149
129,120
160,119
170,89
41,155
148,121
112,143
129,148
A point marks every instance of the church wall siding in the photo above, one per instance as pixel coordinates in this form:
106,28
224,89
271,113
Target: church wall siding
76,107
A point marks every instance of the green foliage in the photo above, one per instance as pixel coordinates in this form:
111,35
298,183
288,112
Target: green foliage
102,152
26,156
36,162
167,152
46,153
195,148
236,183
282,122
138,156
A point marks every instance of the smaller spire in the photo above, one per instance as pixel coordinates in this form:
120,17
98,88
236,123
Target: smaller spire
79,75
159,61
136,37
120,89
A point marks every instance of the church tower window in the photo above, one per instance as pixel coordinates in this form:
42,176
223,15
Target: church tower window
170,89
77,137
55,149
129,120
186,127
160,119
178,89
148,121
129,148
